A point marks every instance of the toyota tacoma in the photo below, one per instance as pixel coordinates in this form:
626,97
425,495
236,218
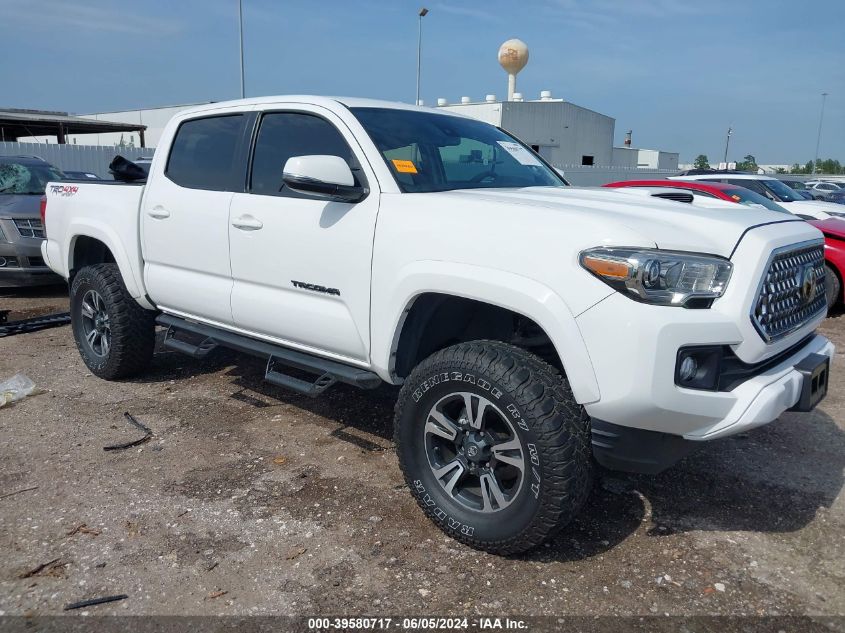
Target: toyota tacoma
536,329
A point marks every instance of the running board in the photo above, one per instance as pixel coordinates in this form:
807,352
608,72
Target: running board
327,371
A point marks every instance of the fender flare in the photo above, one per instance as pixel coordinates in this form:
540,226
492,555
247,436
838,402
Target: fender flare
517,293
105,234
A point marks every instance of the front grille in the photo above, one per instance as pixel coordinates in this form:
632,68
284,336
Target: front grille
36,262
29,228
792,291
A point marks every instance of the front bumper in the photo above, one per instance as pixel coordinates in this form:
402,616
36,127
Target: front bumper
21,261
635,363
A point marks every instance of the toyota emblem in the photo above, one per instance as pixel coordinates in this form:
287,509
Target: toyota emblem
808,283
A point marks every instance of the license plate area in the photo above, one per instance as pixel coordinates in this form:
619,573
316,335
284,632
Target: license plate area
815,370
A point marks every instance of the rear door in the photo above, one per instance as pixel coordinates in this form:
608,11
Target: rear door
185,217
301,265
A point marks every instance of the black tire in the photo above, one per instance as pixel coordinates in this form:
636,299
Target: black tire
131,327
538,405
832,287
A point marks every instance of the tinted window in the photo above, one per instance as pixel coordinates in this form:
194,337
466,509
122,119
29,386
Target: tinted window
439,152
781,192
204,154
286,134
753,185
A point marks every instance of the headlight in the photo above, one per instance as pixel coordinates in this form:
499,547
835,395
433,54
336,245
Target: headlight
660,277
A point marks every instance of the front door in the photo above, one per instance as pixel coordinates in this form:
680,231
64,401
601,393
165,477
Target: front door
301,266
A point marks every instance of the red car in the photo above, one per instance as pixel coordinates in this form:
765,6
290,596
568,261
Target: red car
719,190
833,229
834,257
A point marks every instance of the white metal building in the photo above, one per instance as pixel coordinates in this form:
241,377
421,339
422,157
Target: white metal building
562,132
633,157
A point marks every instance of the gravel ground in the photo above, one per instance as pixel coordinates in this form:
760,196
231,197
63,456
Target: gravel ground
250,500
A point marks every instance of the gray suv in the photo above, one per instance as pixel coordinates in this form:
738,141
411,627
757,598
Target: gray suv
22,183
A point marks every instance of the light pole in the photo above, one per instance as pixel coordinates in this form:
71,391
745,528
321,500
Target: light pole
241,32
819,136
422,13
727,143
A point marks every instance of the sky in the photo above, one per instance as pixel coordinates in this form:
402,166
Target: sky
676,72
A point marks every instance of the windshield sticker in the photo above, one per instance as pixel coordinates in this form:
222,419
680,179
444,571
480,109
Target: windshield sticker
404,166
522,155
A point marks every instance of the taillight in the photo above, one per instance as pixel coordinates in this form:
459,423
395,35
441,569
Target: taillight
43,212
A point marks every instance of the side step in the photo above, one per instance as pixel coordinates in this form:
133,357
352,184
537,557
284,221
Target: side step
327,371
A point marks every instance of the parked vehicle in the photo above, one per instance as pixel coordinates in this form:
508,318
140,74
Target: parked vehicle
773,189
532,326
837,197
834,254
81,175
718,194
22,183
800,188
704,193
822,187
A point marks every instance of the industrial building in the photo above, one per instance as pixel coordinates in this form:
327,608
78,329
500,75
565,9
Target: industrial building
563,133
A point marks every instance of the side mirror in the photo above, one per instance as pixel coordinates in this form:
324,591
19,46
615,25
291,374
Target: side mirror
322,176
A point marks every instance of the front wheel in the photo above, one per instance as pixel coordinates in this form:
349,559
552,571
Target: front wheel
115,336
493,445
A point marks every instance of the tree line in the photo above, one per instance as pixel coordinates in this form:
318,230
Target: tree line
749,163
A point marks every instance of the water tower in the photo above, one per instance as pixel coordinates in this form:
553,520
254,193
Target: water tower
513,55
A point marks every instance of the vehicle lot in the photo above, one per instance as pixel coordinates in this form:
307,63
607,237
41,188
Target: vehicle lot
297,506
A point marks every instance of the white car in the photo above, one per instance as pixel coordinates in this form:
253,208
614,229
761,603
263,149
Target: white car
775,190
822,186
533,327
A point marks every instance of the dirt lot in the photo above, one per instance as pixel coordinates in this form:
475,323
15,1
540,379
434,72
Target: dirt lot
297,506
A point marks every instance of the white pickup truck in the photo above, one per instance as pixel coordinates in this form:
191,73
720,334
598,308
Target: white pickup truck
535,328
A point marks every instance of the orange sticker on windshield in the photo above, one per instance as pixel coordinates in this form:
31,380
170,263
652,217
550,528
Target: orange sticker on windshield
404,166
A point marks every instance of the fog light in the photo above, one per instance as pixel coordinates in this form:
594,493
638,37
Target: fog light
688,368
698,367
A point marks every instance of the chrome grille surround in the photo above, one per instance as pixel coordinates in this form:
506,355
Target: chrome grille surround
791,292
29,227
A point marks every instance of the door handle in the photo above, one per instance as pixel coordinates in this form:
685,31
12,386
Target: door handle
247,223
158,212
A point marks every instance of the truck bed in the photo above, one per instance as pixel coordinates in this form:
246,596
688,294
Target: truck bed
108,211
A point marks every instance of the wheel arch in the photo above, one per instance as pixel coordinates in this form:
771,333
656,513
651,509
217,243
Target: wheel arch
837,270
440,304
91,244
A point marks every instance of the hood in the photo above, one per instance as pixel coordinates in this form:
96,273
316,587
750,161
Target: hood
833,227
815,209
14,205
663,223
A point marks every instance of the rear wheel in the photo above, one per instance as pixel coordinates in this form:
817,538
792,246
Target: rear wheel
115,336
493,445
832,287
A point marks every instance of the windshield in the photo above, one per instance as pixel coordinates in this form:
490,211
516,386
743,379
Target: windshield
781,191
749,198
26,178
435,152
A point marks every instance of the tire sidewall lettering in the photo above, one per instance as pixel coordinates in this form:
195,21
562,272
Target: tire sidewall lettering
456,380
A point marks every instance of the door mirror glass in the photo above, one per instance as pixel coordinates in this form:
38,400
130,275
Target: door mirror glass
322,176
